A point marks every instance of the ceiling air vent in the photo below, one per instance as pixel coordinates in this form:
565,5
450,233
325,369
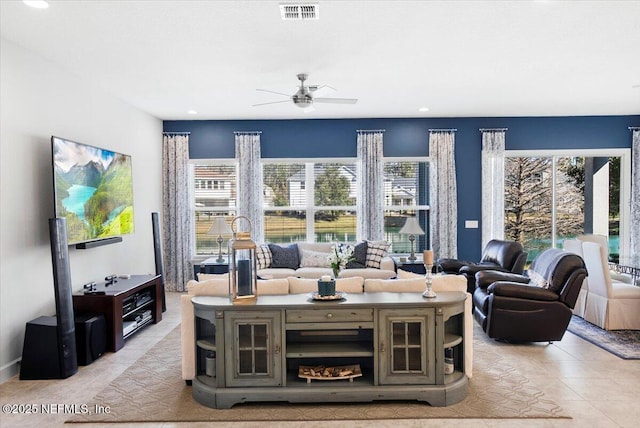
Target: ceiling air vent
300,11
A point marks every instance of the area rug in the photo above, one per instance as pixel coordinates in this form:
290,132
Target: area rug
622,343
152,390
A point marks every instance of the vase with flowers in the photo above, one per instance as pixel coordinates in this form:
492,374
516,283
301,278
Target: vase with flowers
341,254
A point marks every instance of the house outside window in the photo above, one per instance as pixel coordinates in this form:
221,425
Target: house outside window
310,200
406,194
214,194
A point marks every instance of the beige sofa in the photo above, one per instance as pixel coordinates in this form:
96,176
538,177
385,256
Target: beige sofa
313,265
217,285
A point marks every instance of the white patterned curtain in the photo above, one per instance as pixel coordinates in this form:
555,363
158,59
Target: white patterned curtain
635,197
443,200
370,193
176,219
249,198
492,184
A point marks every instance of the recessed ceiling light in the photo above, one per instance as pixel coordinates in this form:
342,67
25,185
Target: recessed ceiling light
423,109
192,112
38,4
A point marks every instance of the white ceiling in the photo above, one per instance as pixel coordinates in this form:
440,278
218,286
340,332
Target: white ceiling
459,58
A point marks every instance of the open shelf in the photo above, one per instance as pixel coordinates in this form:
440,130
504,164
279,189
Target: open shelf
207,343
451,340
327,350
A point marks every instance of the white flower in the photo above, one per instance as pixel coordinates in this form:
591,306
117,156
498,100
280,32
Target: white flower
340,256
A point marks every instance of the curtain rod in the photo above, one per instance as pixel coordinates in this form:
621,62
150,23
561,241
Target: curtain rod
177,132
443,130
493,129
247,132
371,130
634,128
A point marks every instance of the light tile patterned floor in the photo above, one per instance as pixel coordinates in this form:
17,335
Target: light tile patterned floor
596,388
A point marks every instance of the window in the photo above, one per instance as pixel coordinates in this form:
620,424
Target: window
405,195
214,194
310,200
550,198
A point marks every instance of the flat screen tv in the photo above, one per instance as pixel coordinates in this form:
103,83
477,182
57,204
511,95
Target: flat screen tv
93,191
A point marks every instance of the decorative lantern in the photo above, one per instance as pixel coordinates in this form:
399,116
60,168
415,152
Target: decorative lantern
243,281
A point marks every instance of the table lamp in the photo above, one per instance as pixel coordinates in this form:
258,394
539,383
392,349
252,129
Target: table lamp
412,228
219,227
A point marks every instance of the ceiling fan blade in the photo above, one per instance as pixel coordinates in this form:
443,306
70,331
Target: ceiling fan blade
322,90
272,102
336,100
273,92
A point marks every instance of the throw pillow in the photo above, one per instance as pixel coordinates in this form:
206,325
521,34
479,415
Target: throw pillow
284,257
375,252
314,259
359,256
263,256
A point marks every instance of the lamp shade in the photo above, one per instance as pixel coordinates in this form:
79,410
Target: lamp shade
411,227
219,227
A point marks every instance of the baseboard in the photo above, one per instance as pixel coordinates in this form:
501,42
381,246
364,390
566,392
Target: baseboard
9,370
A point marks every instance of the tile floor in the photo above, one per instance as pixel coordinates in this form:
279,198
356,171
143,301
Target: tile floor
596,388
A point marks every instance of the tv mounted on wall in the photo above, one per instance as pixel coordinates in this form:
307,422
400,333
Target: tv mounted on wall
93,191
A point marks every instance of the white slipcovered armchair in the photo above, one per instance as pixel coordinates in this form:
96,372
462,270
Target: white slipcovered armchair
611,304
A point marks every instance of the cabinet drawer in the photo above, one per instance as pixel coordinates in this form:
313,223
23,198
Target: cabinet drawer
329,315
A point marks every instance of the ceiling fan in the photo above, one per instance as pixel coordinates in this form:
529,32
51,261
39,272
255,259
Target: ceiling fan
305,96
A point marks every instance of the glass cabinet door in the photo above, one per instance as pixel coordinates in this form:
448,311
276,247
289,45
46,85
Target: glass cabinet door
255,339
406,348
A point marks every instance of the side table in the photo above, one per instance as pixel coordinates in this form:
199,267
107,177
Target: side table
210,266
415,266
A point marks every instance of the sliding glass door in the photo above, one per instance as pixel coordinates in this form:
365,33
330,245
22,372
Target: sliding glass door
552,197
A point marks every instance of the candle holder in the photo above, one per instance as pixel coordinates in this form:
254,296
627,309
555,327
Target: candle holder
428,279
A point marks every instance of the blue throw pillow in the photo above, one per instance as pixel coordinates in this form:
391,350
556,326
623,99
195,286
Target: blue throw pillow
359,257
284,257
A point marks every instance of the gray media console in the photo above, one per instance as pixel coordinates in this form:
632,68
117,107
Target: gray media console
386,346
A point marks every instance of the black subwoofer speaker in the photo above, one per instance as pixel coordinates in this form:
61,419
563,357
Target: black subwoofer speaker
45,354
91,337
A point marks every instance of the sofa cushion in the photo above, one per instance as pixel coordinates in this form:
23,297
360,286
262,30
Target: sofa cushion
263,256
273,286
413,285
307,285
284,257
271,273
403,274
210,287
313,259
312,272
368,273
375,252
359,256
206,276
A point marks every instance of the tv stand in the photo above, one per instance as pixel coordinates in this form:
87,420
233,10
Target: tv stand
128,305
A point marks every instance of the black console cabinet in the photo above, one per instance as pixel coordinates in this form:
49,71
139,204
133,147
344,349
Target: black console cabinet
127,305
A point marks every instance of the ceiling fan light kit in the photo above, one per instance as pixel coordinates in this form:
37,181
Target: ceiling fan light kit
304,98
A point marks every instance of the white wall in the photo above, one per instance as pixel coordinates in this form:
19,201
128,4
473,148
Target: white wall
39,99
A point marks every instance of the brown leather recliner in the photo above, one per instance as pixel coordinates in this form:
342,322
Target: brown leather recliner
517,308
505,256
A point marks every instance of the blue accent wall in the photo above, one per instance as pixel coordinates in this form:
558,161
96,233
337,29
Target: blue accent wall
310,138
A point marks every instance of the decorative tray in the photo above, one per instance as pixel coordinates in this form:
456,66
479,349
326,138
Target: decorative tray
329,373
338,296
